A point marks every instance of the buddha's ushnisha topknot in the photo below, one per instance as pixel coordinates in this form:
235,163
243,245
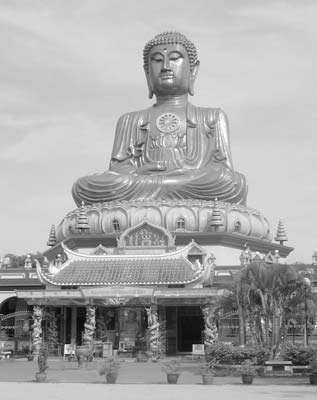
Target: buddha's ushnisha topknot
171,37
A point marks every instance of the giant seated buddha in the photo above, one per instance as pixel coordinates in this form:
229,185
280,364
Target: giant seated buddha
172,150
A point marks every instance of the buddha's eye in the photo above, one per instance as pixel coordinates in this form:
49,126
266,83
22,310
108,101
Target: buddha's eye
175,55
157,57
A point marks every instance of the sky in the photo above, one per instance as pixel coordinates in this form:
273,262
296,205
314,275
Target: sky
70,68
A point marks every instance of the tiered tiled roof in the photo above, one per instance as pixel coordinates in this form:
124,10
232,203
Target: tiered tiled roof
171,268
126,271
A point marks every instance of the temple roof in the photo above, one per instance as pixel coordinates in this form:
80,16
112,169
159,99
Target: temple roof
91,270
116,271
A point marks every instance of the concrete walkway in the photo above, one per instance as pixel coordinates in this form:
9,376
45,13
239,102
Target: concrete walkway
138,381
77,391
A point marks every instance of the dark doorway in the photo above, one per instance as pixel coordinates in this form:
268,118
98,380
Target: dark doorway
190,329
184,326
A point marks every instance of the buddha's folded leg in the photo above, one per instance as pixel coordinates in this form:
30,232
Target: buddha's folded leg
111,186
226,185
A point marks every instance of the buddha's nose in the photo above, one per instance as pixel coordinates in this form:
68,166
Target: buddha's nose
166,64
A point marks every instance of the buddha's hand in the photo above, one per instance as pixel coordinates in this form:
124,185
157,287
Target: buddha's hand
152,168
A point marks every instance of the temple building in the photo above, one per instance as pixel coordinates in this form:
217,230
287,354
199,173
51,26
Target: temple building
143,259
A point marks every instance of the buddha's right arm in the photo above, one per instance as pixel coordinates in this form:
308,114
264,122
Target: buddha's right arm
127,147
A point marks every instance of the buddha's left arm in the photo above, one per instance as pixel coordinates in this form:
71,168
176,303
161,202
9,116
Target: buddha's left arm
222,138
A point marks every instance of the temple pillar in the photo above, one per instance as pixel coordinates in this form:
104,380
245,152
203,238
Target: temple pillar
211,331
90,325
37,329
154,331
73,329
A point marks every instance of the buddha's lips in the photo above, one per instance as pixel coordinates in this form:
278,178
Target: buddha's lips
167,75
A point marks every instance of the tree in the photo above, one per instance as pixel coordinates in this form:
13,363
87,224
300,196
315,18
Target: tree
267,296
15,261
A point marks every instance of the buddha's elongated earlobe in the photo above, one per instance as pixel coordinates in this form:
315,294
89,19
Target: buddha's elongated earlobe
192,79
149,85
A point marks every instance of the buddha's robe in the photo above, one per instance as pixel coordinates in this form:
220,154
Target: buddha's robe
197,163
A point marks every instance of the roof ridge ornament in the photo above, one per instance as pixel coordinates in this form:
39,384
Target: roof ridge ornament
52,237
82,224
281,233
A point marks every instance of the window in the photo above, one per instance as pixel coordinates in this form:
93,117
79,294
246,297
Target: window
116,225
237,226
180,224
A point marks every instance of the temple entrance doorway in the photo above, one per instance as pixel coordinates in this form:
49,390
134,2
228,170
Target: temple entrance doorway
190,326
184,327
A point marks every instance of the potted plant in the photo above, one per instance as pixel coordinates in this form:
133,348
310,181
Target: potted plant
172,370
30,356
110,368
207,372
248,372
42,363
313,373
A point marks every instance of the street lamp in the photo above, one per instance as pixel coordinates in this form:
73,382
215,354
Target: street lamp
307,284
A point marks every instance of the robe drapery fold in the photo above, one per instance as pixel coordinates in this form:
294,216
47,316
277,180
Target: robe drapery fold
202,169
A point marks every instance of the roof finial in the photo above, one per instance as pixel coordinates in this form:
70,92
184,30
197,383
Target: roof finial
52,237
257,256
28,262
82,221
245,257
280,233
216,218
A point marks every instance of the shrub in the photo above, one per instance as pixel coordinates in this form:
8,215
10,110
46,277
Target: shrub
248,368
109,366
171,366
299,355
235,355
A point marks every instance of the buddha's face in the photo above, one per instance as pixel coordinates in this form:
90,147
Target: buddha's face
169,70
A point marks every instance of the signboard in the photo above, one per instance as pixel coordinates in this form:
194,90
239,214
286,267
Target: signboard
117,292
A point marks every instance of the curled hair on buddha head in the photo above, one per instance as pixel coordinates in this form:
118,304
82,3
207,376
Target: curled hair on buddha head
171,37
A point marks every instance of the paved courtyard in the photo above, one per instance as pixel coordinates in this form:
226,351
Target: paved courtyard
138,381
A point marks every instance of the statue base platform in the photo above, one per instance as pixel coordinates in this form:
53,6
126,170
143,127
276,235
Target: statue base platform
240,226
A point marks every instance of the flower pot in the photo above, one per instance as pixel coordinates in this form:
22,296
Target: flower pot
207,379
247,379
313,378
111,377
172,378
40,377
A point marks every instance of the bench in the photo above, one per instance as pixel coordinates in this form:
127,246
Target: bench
278,368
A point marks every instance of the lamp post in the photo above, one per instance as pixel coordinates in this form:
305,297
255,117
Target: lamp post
307,284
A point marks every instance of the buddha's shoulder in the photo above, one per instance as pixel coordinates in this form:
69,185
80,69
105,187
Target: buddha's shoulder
133,116
211,114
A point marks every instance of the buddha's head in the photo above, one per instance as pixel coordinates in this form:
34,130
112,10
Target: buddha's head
170,64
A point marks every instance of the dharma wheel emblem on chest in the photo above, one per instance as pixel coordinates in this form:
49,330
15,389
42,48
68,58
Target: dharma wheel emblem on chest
168,123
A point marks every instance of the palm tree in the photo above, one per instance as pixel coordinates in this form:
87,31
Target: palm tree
266,296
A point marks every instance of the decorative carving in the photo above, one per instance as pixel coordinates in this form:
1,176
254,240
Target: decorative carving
211,331
90,325
146,235
164,214
157,335
37,328
167,122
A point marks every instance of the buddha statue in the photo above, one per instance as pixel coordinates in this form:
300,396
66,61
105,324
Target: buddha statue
172,150
131,328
